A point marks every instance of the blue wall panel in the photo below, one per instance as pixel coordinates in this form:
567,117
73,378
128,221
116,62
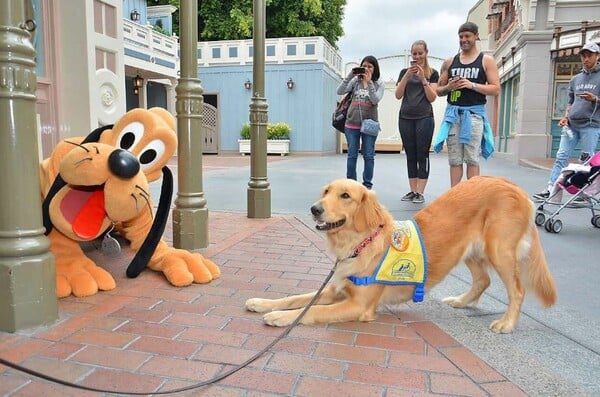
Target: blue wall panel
306,108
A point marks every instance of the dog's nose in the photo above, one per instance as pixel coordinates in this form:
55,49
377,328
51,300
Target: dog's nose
316,210
123,164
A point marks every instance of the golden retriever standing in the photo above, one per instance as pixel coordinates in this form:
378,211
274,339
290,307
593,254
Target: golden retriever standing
484,221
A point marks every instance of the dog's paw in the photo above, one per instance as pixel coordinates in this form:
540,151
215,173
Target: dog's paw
502,326
281,318
258,305
455,301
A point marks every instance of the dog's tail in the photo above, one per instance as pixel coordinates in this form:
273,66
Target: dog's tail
539,279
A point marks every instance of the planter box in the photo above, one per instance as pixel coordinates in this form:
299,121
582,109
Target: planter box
274,146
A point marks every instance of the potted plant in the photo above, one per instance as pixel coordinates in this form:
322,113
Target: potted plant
278,139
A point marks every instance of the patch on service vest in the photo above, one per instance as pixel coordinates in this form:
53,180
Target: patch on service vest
404,263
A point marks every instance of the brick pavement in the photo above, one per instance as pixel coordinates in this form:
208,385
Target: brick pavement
147,335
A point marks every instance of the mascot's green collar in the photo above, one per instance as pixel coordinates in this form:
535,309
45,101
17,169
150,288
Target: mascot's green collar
404,263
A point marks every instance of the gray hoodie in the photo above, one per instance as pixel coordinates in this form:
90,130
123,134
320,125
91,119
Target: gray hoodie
584,113
367,98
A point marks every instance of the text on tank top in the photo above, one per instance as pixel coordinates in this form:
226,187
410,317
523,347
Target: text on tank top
473,72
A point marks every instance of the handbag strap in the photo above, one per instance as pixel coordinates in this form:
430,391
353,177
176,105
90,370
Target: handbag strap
360,111
359,108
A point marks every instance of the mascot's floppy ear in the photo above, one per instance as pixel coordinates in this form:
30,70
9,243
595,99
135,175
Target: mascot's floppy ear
148,247
59,183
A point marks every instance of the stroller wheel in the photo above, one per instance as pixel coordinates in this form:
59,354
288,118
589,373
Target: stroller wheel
540,219
596,221
557,226
553,225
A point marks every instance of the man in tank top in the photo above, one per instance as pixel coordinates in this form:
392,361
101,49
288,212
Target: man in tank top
466,79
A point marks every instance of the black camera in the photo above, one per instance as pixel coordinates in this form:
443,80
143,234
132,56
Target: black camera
358,70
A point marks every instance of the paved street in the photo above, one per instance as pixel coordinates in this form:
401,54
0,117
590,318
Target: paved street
556,348
147,336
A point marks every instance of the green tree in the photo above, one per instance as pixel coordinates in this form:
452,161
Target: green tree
232,19
289,18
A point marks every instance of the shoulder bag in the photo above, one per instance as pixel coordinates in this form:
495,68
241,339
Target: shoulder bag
368,126
338,119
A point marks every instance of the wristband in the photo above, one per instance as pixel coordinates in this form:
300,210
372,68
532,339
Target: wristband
474,86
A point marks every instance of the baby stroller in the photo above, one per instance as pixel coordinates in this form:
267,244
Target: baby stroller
582,182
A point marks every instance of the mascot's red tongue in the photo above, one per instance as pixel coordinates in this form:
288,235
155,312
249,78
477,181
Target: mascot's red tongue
85,210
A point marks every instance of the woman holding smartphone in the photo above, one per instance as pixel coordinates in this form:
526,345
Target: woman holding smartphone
367,91
416,87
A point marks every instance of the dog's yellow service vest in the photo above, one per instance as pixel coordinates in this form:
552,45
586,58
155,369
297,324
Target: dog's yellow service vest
404,263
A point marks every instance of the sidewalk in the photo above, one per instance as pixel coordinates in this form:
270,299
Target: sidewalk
147,335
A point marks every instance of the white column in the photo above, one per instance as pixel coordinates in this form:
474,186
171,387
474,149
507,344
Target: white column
533,122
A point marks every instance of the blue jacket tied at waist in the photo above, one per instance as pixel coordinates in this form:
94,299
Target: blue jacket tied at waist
453,116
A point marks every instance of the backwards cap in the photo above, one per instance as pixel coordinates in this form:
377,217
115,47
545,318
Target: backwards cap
469,27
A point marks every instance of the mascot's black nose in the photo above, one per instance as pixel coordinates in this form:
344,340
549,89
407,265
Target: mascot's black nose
123,164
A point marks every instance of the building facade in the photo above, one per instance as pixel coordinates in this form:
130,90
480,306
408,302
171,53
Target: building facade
536,46
301,77
99,58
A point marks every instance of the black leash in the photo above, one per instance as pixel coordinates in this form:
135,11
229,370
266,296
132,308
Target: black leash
181,389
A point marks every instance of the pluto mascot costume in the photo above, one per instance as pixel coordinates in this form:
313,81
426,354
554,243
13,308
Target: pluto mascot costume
94,185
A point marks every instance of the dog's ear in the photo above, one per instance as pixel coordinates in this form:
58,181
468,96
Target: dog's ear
369,213
324,190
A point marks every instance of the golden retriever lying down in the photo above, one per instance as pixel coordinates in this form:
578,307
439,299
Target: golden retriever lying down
484,221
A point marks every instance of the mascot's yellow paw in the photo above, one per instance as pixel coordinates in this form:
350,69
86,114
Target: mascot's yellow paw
182,267
63,287
83,280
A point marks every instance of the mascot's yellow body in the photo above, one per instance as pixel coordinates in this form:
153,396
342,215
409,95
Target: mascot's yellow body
105,185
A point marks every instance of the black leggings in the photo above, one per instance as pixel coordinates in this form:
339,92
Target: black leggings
416,138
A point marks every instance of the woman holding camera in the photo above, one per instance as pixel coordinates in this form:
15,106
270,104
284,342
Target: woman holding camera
416,87
366,90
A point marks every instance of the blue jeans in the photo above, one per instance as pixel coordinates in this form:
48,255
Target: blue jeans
353,137
588,136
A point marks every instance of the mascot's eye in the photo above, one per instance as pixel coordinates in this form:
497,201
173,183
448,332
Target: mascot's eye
147,156
127,140
130,135
345,196
151,153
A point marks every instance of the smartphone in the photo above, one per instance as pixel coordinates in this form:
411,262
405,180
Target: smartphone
413,62
359,70
580,94
455,78
585,156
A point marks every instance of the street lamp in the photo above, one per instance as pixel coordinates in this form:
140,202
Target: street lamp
135,15
290,84
137,84
248,84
